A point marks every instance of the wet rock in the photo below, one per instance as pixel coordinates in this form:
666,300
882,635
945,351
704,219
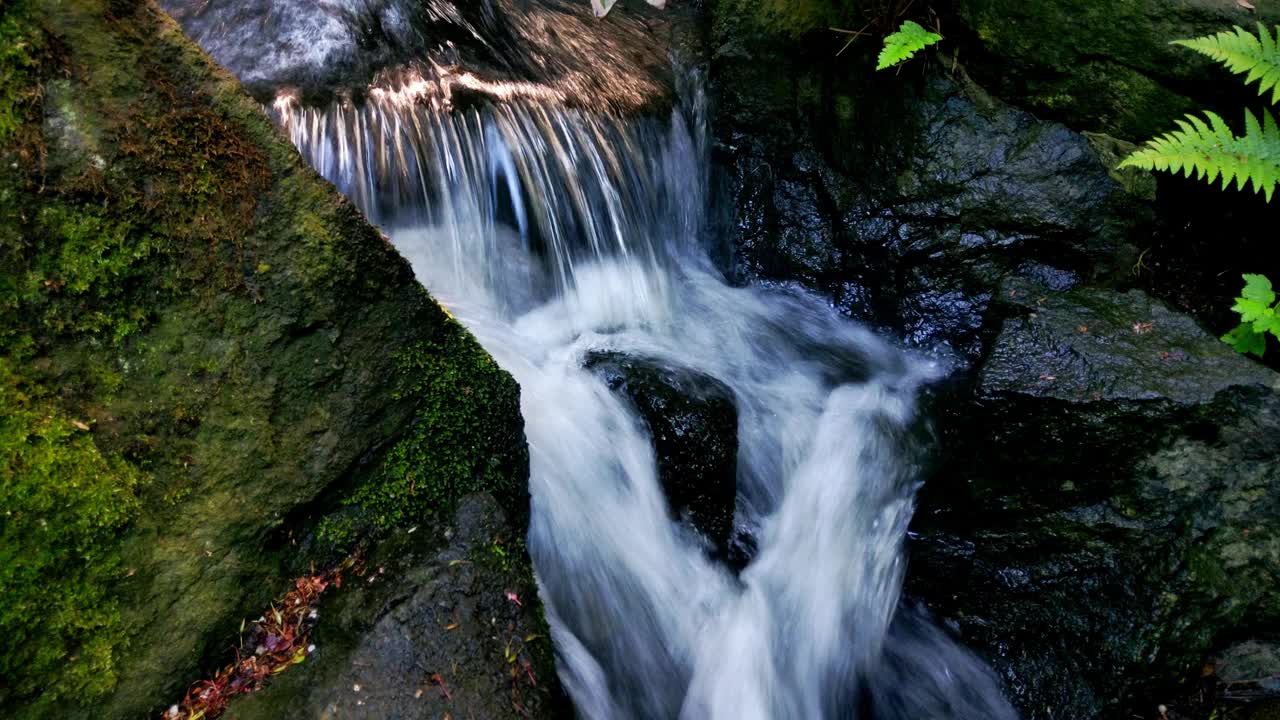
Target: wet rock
693,422
1106,479
339,51
442,622
969,191
1248,672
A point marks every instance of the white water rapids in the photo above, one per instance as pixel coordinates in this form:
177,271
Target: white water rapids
551,233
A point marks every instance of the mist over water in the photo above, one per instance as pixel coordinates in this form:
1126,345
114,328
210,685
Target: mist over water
551,233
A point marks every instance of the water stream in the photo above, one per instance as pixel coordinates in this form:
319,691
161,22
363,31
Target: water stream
552,233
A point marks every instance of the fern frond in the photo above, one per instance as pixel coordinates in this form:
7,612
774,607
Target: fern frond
1212,151
1242,52
900,46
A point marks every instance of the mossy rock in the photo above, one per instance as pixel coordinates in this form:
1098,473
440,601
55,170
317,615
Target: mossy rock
244,349
1102,65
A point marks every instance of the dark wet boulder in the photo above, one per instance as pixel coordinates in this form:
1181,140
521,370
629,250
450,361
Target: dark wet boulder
442,621
693,422
970,191
1105,515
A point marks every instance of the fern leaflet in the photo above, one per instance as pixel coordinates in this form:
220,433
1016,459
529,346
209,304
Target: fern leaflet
902,45
1211,150
1241,53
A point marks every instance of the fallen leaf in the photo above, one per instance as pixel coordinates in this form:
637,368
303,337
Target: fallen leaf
438,680
514,598
80,426
1245,4
451,626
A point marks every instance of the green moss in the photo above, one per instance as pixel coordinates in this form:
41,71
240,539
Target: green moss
19,49
173,276
785,19
64,506
453,447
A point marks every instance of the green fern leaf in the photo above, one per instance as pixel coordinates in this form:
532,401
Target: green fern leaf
902,45
1242,52
1211,151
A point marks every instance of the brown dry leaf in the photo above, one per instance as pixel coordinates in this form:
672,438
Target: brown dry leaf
451,626
1245,4
79,425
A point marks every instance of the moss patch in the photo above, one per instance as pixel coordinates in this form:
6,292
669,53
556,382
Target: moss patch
452,449
63,504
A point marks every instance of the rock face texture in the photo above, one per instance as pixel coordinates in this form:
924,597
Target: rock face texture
222,340
1108,477
455,630
1099,521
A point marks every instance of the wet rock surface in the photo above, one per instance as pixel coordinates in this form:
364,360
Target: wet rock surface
693,422
1108,478
327,50
440,622
916,234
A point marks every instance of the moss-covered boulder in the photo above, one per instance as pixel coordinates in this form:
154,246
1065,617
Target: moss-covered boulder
203,350
1102,65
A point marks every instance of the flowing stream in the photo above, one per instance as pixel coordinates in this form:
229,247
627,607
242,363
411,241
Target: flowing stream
552,233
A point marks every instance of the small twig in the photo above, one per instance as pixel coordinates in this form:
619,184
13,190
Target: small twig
853,35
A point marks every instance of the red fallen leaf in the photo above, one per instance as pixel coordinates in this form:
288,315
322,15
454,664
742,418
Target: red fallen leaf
438,681
514,598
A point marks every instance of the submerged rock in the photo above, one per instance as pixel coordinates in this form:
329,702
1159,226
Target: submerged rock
693,422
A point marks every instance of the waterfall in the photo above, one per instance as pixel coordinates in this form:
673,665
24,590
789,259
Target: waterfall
555,232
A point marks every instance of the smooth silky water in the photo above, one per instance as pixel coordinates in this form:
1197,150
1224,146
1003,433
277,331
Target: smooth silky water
552,232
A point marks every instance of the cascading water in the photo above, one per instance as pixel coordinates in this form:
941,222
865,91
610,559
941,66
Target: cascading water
553,232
